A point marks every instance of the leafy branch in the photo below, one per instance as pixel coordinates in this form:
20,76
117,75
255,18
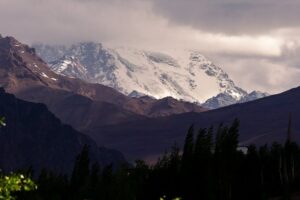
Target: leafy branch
14,183
2,121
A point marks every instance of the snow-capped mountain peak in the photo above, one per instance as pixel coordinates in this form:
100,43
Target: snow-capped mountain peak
185,75
253,96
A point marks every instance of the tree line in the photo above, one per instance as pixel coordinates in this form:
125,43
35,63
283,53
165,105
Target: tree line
210,166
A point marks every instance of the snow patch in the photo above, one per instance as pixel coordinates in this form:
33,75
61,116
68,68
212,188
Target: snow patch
44,75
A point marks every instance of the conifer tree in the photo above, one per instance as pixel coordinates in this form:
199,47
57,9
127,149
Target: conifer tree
203,164
188,149
288,161
187,167
95,172
252,174
226,158
81,171
218,139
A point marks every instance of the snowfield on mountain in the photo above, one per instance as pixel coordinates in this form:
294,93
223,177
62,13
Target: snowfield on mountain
184,74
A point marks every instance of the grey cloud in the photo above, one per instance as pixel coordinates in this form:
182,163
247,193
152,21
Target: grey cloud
270,74
165,23
231,16
289,56
67,21
273,74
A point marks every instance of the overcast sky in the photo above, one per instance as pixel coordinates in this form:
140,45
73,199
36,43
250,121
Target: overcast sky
256,41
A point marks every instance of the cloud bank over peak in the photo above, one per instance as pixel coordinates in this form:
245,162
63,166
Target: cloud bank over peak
256,41
233,17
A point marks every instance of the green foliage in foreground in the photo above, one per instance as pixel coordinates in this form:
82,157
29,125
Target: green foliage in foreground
164,198
2,121
10,184
14,183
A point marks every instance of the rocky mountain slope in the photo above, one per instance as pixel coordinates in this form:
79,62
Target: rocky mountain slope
34,137
185,75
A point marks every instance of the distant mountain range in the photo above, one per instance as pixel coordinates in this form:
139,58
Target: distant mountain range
137,125
185,75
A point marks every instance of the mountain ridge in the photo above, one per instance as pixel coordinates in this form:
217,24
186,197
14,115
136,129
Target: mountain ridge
262,121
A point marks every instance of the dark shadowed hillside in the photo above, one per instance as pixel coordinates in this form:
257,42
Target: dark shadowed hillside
35,137
262,121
